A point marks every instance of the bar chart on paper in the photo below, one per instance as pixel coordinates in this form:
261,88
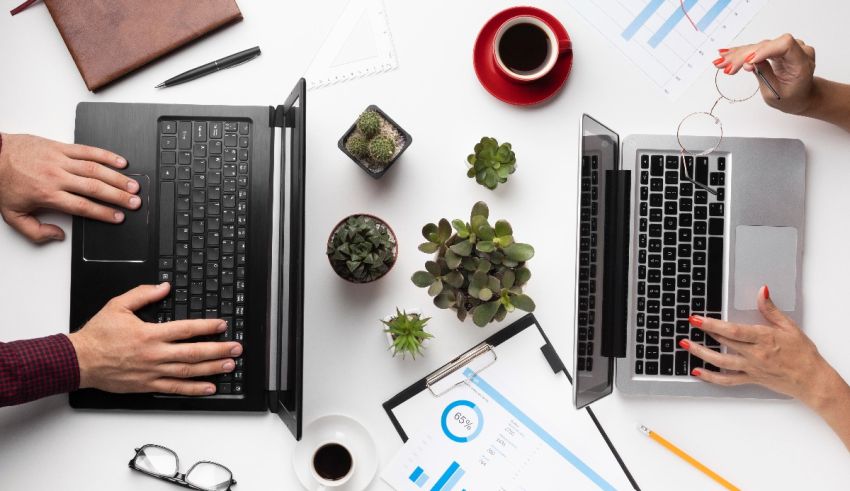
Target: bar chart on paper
671,47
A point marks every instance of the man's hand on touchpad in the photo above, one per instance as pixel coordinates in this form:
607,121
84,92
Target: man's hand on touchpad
36,173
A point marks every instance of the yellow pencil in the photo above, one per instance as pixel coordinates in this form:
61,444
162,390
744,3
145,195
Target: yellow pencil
687,458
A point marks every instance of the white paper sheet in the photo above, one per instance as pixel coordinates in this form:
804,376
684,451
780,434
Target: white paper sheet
530,434
657,37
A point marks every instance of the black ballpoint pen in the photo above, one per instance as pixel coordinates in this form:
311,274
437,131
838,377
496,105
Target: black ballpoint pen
212,67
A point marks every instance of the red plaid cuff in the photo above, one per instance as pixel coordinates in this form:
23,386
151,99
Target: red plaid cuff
36,368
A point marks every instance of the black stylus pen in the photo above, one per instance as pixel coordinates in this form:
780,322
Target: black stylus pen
212,67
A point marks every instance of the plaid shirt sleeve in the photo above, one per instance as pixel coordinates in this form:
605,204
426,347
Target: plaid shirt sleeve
36,368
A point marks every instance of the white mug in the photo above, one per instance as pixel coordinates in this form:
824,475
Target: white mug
556,48
328,483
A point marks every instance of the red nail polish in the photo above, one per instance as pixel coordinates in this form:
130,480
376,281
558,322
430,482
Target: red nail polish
727,69
750,57
685,344
722,50
696,372
695,320
719,60
766,292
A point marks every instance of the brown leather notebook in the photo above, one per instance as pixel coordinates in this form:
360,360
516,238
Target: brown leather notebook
110,38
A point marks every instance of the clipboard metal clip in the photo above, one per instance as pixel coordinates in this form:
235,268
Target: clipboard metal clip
480,354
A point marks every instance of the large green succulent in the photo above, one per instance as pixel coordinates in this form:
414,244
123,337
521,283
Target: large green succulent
478,269
491,164
407,332
362,249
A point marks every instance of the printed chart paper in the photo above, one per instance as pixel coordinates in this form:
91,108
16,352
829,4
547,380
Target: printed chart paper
657,36
484,439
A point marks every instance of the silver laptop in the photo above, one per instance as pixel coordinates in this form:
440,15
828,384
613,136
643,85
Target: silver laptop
662,236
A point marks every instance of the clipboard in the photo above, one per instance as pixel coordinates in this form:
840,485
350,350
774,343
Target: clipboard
519,350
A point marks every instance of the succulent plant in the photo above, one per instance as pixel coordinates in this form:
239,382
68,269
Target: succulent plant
491,164
362,249
358,146
381,149
407,332
369,123
478,269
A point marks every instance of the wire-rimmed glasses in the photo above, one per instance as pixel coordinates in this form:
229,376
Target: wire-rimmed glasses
162,463
730,95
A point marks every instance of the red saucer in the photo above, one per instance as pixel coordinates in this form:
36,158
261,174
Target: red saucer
497,83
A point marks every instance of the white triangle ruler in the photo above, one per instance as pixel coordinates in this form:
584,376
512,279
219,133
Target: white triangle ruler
360,44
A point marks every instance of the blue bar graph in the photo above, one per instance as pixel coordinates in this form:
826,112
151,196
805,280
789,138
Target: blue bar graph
418,477
537,430
712,14
670,23
641,18
449,478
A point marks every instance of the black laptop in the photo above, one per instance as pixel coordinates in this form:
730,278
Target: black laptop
207,226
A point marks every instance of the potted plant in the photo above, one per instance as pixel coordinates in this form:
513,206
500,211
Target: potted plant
375,141
491,164
406,332
362,248
478,269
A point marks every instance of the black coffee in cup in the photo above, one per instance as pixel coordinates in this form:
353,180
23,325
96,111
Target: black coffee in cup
332,461
524,47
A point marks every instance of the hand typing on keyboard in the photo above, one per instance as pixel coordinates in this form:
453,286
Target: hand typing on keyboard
36,173
777,355
118,352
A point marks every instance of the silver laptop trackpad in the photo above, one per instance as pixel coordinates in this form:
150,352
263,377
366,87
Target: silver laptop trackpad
765,256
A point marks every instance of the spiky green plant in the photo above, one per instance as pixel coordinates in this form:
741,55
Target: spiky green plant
381,149
369,123
362,249
358,146
407,332
479,269
491,164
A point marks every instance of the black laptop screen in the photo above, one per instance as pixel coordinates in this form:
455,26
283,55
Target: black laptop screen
599,159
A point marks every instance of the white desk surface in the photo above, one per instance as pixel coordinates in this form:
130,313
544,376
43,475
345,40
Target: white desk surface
436,97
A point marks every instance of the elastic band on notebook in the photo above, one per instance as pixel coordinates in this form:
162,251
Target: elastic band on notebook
20,8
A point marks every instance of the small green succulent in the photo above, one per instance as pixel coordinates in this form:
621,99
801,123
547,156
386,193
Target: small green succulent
491,164
358,146
369,123
381,149
362,249
478,269
407,332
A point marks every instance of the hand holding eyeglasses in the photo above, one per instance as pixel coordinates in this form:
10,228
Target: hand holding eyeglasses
788,64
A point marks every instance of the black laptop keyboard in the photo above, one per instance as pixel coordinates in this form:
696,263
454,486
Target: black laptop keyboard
203,199
679,260
588,230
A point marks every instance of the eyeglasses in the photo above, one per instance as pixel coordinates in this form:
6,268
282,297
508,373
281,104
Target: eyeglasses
688,153
162,463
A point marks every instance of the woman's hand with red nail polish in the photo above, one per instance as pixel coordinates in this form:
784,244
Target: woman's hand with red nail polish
777,355
787,63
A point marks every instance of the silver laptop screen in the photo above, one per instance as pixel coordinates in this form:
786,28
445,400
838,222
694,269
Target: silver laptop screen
599,158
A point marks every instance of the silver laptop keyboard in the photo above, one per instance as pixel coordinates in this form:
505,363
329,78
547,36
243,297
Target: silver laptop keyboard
679,259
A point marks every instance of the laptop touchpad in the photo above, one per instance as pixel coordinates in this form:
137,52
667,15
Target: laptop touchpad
122,242
766,256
